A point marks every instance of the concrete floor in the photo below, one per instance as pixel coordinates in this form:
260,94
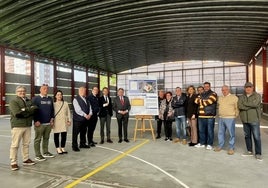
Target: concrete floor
146,164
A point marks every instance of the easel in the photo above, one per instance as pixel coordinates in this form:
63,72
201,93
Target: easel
140,120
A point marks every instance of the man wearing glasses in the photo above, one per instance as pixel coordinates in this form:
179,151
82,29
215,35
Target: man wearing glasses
22,111
249,105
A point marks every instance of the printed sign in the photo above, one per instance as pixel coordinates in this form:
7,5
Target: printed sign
143,96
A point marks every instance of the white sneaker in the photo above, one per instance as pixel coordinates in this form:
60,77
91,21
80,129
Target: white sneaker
199,145
209,147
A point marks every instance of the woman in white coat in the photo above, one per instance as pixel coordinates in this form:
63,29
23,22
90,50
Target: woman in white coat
62,120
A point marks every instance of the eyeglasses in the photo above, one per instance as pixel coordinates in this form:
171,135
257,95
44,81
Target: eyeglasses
45,85
19,91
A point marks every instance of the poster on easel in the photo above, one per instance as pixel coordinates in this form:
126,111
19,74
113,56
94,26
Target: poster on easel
143,95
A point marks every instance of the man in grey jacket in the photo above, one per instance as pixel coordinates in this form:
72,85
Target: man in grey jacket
249,105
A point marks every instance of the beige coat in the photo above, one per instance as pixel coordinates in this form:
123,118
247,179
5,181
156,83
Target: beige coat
64,115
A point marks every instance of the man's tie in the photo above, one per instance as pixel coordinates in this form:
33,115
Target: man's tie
122,100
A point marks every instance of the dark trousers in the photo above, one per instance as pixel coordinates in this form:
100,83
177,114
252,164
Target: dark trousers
206,130
57,140
122,122
91,126
249,130
159,126
168,128
105,120
79,127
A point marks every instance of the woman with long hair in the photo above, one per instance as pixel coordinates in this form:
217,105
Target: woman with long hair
62,120
191,113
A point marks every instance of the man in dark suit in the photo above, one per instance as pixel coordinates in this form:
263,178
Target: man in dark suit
94,102
106,112
122,107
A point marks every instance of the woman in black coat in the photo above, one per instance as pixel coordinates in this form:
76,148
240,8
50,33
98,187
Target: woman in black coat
191,113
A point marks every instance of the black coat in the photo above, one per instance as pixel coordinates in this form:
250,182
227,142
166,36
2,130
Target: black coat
192,107
94,102
107,109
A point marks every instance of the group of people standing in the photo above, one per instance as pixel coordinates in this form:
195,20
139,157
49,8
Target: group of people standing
88,109
196,109
54,114
47,114
196,112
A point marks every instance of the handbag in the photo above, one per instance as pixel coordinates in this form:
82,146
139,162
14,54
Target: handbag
59,109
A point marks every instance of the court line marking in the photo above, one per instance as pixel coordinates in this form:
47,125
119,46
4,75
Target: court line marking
98,169
150,164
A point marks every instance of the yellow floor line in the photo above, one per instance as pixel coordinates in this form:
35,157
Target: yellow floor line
96,170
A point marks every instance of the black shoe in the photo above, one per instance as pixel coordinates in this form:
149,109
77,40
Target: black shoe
120,140
192,144
126,140
158,137
166,139
84,146
102,142
109,141
92,145
76,149
94,142
170,139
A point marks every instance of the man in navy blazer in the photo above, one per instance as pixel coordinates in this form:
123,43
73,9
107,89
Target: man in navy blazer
94,102
106,113
121,106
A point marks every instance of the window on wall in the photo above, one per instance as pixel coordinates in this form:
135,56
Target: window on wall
93,78
103,80
219,77
192,77
184,73
237,76
17,72
17,63
64,78
177,79
208,76
43,72
79,76
121,80
112,85
112,80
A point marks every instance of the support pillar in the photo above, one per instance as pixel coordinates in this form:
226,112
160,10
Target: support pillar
72,83
32,76
2,81
254,72
55,88
98,79
87,81
264,67
108,80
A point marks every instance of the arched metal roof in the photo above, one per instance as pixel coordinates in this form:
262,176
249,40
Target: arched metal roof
116,35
